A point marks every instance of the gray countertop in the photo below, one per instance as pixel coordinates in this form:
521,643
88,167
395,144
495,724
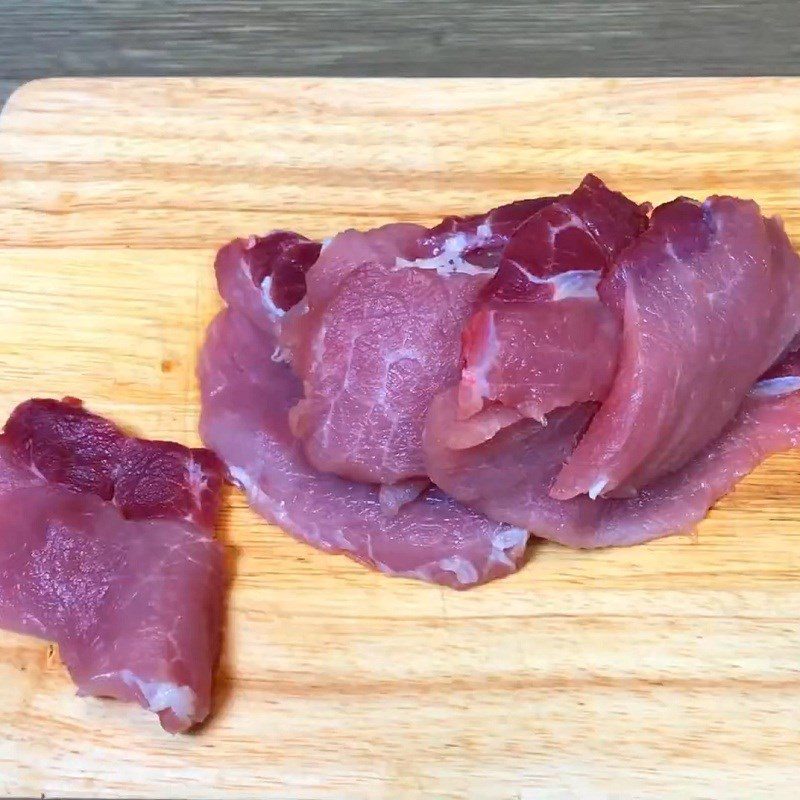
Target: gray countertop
415,37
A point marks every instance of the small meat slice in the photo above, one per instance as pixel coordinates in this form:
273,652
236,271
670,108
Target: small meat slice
383,347
542,339
108,549
246,400
508,477
373,353
264,276
711,298
378,336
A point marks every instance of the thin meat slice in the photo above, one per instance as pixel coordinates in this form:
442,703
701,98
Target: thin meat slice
108,549
710,296
246,400
384,345
508,477
542,339
264,276
377,336
376,340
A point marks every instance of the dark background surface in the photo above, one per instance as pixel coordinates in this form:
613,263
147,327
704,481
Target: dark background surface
416,37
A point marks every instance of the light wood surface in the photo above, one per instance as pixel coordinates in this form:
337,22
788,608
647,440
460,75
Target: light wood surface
670,670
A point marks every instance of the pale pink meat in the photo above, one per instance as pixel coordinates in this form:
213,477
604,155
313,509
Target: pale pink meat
384,345
377,336
108,549
710,296
541,338
508,477
246,400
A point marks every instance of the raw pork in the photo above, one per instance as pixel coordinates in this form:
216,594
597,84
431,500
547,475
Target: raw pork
265,274
108,549
542,338
378,336
710,295
508,477
245,410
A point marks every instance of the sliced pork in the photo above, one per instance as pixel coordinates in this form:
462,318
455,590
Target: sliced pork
108,549
264,276
710,297
247,398
542,338
570,366
508,477
378,335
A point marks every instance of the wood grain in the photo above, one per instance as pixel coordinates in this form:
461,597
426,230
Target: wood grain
406,37
670,670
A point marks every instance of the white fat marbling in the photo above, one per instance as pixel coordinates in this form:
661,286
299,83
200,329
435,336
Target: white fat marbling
164,695
776,387
449,260
575,283
597,487
266,298
464,570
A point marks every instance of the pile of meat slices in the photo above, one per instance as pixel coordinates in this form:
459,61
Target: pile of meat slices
581,368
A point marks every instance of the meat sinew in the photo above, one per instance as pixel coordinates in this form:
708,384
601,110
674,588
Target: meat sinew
108,549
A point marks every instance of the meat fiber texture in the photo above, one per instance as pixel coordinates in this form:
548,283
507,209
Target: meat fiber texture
247,397
541,337
108,549
710,298
378,335
620,371
508,476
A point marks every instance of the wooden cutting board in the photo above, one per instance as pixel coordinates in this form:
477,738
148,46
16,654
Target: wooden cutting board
670,670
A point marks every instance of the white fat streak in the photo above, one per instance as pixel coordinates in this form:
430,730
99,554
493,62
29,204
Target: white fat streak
449,260
776,387
597,487
266,298
163,695
242,480
257,497
508,539
464,570
280,354
575,283
198,482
